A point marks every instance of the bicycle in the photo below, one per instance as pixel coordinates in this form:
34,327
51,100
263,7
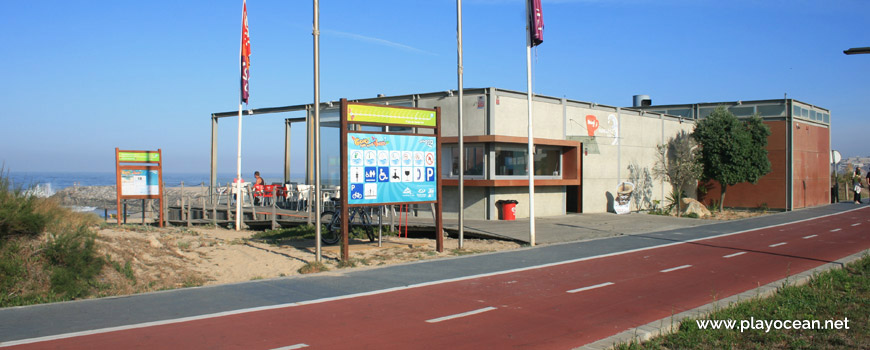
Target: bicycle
331,221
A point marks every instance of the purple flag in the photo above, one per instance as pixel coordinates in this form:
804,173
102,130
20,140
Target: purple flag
246,53
536,23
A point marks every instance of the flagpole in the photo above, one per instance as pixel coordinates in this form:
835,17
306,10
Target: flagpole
530,157
238,182
317,202
461,141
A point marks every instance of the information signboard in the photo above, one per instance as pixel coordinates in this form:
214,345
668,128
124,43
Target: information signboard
138,156
371,114
386,168
389,167
140,182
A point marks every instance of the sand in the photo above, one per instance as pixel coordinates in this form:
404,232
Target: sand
179,257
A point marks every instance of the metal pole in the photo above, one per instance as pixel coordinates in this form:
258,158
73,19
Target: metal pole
530,157
317,209
380,226
286,151
461,135
212,179
238,182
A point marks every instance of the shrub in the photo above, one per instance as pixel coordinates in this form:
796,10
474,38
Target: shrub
18,214
74,263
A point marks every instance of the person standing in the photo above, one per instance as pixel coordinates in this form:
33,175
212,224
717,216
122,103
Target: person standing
258,187
868,183
856,185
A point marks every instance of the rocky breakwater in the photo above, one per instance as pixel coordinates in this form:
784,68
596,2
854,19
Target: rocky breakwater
105,196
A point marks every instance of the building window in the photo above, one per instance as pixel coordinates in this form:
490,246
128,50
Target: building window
548,161
684,112
474,160
744,111
770,110
510,160
705,112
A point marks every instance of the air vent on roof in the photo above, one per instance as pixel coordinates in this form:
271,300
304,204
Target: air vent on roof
641,101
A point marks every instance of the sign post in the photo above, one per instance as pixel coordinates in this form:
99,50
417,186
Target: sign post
387,168
141,180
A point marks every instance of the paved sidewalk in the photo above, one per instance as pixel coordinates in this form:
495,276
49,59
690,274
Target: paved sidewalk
574,227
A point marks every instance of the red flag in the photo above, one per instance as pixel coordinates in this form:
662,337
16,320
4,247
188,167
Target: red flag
246,53
536,23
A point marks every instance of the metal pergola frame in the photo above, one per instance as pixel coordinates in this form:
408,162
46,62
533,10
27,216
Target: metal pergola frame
308,109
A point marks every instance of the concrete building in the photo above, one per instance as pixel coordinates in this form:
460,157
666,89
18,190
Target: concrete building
584,150
799,149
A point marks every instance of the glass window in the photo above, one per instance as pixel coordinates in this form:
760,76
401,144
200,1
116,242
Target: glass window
448,159
770,110
474,160
827,118
742,111
510,160
795,111
813,115
705,112
684,112
548,161
805,113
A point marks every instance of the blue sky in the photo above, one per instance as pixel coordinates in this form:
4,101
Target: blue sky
84,77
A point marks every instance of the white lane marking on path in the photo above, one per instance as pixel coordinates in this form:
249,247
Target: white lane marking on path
733,255
810,236
590,287
777,245
445,318
856,224
836,229
389,290
676,268
291,347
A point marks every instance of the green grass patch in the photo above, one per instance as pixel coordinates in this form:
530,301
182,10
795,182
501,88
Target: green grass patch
834,295
292,233
126,269
313,267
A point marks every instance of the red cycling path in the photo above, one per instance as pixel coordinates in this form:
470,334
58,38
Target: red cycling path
560,305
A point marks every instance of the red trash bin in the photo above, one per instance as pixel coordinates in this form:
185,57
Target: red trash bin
508,209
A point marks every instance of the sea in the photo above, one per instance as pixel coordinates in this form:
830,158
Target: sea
46,184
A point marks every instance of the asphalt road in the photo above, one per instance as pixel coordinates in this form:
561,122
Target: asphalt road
557,296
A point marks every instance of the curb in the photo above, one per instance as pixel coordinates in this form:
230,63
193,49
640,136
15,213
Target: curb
671,324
